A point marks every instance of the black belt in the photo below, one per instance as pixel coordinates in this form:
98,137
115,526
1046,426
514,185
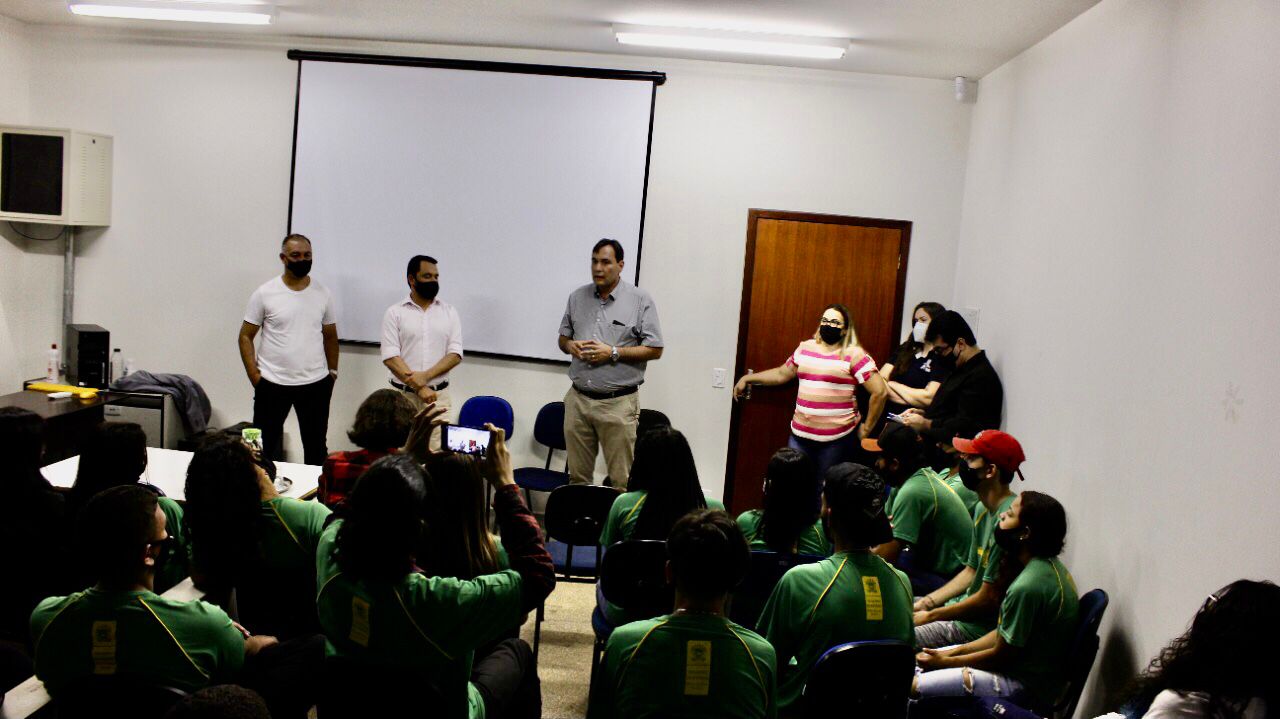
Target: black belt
437,388
606,395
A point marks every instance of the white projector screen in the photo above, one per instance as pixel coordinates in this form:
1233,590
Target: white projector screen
506,177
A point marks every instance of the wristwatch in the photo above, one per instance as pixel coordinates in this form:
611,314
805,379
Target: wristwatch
613,356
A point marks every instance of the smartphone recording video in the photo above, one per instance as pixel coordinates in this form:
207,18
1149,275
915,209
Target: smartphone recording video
466,440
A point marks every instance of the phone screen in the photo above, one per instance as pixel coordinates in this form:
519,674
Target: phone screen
466,440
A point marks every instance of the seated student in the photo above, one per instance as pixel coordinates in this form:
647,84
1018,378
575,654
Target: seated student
931,527
915,372
662,488
31,509
948,470
1221,667
1024,659
244,535
120,626
693,662
381,428
964,608
852,596
376,608
970,398
115,454
789,522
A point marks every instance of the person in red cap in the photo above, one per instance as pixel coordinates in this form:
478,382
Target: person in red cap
964,609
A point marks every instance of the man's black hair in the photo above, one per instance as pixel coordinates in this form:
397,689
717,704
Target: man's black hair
856,497
606,242
115,526
295,237
950,326
709,555
415,264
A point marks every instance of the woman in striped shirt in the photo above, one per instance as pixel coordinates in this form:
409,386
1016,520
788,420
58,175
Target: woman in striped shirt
829,367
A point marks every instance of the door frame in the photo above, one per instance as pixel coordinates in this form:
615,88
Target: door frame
748,271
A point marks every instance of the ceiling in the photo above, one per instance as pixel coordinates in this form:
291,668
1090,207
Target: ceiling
921,38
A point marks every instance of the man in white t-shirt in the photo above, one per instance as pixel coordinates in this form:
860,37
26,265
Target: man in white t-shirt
422,338
297,361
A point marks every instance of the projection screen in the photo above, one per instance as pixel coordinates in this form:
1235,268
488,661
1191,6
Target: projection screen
506,174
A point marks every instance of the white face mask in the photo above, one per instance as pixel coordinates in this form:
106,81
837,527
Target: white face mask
917,332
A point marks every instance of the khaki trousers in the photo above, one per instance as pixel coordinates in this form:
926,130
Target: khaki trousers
443,399
590,424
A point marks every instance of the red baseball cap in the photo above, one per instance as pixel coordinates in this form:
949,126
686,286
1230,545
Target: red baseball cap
998,448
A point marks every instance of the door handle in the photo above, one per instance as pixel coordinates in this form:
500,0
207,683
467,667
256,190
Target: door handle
746,394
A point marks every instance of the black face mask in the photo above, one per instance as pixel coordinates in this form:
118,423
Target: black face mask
970,477
299,268
1008,540
427,290
830,335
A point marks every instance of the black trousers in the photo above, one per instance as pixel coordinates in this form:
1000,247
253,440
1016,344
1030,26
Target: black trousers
507,678
271,405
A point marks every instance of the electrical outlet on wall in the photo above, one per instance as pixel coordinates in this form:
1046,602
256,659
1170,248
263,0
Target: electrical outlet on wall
718,376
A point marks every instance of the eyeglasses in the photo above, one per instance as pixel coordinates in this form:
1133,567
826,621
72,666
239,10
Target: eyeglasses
165,545
831,323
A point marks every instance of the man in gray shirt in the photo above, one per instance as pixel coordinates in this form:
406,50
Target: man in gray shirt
610,327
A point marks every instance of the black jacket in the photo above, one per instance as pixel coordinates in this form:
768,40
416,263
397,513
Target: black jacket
968,401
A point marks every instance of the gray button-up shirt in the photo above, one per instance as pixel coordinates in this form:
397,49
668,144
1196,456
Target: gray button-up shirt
628,318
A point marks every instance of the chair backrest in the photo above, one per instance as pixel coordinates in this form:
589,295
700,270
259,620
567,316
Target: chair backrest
765,571
861,679
485,408
633,576
1084,649
548,428
576,513
116,695
651,419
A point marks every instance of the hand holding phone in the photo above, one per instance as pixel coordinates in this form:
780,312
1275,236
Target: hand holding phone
465,440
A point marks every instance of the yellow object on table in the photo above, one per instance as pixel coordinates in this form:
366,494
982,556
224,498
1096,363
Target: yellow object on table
81,392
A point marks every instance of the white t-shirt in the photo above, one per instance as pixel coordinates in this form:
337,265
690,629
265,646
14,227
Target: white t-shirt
292,347
1169,704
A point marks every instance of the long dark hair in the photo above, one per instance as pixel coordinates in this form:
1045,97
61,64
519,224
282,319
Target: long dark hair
663,467
457,542
222,516
791,501
22,445
1225,653
114,454
901,357
382,528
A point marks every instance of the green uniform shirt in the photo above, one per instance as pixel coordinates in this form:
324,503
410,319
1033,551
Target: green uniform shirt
812,541
174,566
930,517
417,623
852,596
625,512
1039,615
185,645
984,559
685,665
618,527
970,498
291,534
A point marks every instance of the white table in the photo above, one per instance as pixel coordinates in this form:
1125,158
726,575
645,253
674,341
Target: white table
167,469
30,696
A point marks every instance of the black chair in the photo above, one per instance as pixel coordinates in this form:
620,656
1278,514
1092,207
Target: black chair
575,517
116,695
548,429
633,576
765,571
861,679
352,689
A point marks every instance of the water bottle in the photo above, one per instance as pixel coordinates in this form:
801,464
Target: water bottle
117,365
53,370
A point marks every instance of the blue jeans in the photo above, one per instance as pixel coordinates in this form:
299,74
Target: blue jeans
826,454
968,682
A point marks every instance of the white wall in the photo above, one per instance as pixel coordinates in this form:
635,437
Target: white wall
202,150
1119,236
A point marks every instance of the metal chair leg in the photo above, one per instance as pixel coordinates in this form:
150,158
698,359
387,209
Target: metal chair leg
537,629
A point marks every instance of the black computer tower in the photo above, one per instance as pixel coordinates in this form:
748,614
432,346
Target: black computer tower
88,355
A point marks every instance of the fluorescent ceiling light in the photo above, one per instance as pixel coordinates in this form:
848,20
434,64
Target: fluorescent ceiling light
215,12
755,43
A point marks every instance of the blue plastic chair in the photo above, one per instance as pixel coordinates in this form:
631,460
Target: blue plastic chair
548,429
861,679
487,408
763,575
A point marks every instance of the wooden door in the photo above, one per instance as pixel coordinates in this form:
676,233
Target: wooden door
796,265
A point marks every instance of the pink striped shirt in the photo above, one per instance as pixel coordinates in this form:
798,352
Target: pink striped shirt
826,409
